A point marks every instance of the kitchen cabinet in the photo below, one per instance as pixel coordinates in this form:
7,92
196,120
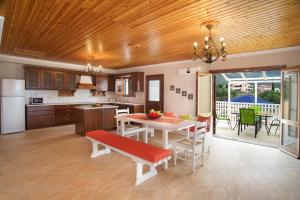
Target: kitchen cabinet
70,81
39,116
64,114
32,79
102,83
137,82
59,80
108,119
111,83
47,80
90,119
133,108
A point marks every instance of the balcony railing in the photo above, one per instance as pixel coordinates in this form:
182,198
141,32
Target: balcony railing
224,108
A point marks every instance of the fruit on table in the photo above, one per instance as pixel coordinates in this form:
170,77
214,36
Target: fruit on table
154,113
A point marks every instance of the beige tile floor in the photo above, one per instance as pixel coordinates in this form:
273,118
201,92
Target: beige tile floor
54,163
247,135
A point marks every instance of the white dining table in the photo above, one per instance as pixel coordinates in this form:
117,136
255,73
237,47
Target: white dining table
165,127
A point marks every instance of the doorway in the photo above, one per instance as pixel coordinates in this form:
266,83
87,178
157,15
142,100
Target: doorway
155,92
252,89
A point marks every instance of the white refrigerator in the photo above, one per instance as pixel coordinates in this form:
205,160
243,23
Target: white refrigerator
12,99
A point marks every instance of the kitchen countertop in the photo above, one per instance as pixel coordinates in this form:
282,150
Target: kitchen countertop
98,107
82,103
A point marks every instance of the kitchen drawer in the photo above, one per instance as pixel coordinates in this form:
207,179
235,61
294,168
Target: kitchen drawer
40,121
64,111
40,112
64,107
64,119
39,108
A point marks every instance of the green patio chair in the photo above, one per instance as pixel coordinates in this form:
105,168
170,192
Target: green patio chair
257,111
224,117
247,117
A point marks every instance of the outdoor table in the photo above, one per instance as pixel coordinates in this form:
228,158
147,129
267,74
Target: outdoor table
261,116
166,124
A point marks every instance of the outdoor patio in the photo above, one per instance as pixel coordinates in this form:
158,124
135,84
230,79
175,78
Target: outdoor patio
246,87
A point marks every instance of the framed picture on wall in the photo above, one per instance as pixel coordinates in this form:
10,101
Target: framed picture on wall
184,93
177,90
172,87
190,96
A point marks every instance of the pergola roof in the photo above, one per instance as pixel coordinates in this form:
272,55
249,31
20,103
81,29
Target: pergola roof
250,77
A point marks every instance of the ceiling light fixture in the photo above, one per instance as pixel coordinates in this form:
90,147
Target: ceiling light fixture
91,67
210,52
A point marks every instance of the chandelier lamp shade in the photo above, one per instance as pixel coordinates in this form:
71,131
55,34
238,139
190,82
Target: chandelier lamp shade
211,52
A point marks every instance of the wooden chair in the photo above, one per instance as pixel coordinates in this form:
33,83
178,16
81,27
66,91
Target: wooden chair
247,117
128,129
191,148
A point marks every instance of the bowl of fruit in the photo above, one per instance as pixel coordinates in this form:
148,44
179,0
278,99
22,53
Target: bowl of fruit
154,114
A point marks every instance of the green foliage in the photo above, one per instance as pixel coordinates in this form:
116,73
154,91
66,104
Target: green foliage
271,96
222,93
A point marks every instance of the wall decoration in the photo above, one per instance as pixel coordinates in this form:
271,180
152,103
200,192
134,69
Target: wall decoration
190,96
177,90
172,87
184,93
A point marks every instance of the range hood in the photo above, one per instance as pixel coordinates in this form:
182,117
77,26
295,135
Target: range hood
86,82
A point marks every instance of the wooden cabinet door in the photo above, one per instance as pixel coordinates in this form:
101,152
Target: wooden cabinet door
108,119
93,119
59,80
70,81
111,83
32,79
137,82
102,83
47,80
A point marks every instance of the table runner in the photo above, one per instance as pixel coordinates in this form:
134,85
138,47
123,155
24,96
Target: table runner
161,119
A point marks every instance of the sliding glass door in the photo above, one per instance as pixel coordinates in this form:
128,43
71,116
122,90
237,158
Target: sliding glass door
290,111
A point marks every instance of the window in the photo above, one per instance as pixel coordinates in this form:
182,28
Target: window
154,90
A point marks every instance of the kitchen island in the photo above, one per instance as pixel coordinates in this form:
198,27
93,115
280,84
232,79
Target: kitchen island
89,118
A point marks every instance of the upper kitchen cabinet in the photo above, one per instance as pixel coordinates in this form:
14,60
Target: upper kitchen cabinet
111,83
59,80
102,83
32,79
137,82
70,81
47,80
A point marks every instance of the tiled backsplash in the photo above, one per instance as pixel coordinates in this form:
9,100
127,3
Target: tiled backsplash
81,95
139,98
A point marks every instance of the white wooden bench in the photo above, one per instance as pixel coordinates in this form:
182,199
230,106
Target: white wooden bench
141,153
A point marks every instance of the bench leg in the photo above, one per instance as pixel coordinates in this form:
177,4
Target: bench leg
140,177
97,153
166,164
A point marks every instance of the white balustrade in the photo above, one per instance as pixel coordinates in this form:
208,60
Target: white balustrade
227,108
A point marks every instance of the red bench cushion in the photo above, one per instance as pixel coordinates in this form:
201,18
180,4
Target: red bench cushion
138,149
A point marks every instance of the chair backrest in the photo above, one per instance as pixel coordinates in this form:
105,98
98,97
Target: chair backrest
200,132
247,116
257,109
186,117
122,111
205,119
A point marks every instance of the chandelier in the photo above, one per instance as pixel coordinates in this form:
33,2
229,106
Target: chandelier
91,67
210,52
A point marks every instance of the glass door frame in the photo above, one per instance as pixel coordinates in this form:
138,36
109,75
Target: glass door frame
286,121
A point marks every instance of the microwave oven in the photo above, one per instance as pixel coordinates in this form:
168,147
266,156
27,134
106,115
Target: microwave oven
35,100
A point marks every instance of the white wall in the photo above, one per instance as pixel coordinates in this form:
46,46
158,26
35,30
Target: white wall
173,102
11,71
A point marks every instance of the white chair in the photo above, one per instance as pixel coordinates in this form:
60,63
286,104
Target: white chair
191,148
126,129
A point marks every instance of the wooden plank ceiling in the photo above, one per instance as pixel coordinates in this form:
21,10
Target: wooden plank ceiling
128,33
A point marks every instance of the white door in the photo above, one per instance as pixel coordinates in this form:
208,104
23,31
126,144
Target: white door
290,103
12,114
204,97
